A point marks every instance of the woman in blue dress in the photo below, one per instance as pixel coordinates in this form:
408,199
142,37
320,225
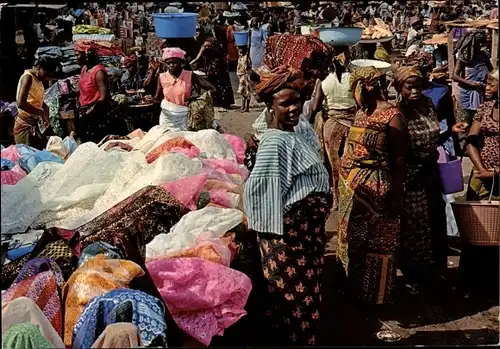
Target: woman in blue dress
257,43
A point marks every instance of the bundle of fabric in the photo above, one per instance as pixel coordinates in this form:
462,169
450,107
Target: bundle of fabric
94,37
51,51
61,98
296,51
103,48
90,29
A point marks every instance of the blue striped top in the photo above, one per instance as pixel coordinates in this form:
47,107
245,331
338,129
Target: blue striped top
287,169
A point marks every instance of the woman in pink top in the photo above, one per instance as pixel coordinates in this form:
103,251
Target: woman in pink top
97,112
175,89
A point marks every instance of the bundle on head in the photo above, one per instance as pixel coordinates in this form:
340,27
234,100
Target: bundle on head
278,79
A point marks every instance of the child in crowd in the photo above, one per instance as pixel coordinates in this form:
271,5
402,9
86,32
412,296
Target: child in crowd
244,77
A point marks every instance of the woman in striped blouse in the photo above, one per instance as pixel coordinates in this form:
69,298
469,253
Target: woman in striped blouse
287,198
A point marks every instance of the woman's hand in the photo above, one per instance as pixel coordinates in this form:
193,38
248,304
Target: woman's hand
251,141
153,65
485,174
460,127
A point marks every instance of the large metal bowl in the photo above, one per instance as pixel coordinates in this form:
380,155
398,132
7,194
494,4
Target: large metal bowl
340,36
383,67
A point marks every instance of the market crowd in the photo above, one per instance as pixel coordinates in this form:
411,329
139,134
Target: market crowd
134,219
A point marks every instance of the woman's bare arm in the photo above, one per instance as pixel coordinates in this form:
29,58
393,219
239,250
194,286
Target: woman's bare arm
200,54
201,82
457,76
102,81
472,147
22,96
159,92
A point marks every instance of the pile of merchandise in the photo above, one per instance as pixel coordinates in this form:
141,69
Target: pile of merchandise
151,220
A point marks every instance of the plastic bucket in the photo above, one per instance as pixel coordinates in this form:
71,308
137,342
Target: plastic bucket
175,25
450,171
241,38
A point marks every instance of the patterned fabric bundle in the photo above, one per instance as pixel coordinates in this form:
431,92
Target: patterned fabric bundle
43,290
25,336
62,255
121,305
295,51
96,277
39,265
465,48
119,335
100,247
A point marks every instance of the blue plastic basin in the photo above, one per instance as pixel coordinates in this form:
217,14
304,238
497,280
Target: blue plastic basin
175,25
241,38
340,36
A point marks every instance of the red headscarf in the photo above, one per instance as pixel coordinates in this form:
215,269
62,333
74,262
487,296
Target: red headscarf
279,79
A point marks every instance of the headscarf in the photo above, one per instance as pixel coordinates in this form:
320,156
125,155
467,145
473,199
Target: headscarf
278,79
423,60
119,335
464,48
367,77
25,336
494,74
22,310
129,61
403,74
173,52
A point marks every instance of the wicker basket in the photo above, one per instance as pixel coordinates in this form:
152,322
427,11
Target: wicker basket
478,222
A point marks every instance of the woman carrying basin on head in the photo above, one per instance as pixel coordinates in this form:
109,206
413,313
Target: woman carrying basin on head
175,89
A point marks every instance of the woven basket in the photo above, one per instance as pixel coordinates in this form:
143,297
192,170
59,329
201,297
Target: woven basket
478,222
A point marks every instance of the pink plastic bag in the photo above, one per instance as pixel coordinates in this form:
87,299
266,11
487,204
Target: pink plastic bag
223,198
12,176
203,297
187,190
226,166
238,146
11,153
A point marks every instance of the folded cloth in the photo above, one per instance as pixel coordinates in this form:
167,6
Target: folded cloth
94,37
19,252
70,68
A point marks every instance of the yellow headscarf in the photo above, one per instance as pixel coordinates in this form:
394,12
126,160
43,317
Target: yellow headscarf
366,77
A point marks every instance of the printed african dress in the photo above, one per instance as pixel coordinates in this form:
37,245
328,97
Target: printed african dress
368,237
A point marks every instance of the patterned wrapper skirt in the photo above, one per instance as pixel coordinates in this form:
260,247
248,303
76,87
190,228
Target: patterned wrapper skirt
293,265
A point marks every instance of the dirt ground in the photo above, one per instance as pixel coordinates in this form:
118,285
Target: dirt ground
443,316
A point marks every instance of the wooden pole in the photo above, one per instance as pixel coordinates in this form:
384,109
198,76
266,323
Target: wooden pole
494,47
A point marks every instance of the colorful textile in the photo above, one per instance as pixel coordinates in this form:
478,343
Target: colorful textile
204,297
39,265
366,77
62,254
119,335
480,189
368,237
279,78
11,270
232,49
258,38
164,148
335,137
201,113
466,47
477,71
90,29
95,278
24,310
121,305
173,52
100,247
293,269
296,51
42,289
423,221
89,89
25,336
286,171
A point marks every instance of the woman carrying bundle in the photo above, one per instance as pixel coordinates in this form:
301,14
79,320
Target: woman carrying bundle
372,172
175,89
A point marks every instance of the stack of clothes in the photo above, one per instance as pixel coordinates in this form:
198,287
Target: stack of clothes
69,63
62,100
